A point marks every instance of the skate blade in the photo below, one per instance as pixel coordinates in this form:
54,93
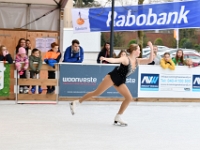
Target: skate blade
72,112
116,123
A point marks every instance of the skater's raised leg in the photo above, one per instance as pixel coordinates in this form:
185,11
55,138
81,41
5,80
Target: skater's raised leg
103,86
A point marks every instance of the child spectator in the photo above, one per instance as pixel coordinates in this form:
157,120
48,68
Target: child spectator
51,58
191,64
167,62
4,55
122,53
178,60
22,57
35,57
154,57
157,57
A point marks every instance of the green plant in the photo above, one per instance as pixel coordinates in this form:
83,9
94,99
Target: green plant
158,41
133,41
197,47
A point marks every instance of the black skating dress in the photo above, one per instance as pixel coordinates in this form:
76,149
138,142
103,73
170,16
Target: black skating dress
120,73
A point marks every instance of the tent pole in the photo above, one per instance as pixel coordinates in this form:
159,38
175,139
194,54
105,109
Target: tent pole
112,29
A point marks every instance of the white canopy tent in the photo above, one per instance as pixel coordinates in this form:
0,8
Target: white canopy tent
31,14
46,15
44,2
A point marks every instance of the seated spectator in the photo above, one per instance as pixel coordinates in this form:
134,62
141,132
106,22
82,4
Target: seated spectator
35,57
105,52
51,58
191,64
167,62
122,53
74,53
154,57
157,56
4,55
178,60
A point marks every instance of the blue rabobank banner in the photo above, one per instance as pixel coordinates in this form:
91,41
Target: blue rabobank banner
140,17
76,80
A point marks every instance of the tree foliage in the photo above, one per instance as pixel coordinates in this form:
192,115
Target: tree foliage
86,3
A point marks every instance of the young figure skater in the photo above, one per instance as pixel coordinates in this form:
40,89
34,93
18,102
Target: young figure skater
117,78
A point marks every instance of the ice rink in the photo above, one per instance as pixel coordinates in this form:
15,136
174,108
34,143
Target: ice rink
151,126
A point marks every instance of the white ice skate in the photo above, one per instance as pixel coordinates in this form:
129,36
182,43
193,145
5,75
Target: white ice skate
119,122
73,106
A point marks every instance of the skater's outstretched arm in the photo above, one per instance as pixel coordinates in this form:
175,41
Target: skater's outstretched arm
145,61
123,60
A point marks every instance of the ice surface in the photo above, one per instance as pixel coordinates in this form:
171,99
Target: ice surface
151,126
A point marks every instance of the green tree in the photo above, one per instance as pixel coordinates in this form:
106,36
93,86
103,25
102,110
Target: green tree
172,42
140,33
86,3
182,42
187,44
145,40
103,40
118,39
187,33
188,38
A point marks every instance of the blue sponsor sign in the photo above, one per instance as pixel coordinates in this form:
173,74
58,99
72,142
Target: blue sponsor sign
77,80
149,82
196,83
139,17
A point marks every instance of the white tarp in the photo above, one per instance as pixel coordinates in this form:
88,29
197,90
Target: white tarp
45,2
49,22
15,16
12,16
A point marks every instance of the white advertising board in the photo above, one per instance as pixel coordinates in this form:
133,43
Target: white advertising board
90,42
155,82
2,69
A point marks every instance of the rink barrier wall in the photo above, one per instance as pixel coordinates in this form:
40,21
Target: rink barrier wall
153,83
40,80
77,79
148,84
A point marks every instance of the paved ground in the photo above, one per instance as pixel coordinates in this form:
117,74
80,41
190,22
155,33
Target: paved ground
152,126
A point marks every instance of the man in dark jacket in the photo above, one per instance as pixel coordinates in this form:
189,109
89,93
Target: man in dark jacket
74,53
